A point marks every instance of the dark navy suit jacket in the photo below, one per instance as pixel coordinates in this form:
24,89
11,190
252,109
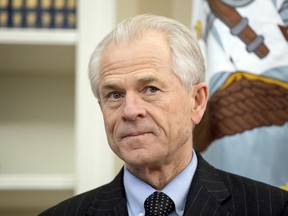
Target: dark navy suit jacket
212,192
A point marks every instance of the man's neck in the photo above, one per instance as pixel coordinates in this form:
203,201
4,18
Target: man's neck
160,176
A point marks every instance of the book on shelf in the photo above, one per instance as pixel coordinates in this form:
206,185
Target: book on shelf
38,13
4,13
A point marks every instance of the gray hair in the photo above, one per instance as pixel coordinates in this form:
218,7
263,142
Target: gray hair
187,60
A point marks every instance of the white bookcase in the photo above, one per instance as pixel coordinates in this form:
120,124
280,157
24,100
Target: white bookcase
52,141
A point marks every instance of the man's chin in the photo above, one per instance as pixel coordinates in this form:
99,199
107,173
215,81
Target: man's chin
142,160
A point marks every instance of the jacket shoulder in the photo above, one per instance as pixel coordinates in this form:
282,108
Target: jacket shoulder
243,196
98,197
263,198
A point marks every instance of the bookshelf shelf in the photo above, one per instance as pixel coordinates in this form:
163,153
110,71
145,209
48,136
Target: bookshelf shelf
36,182
27,202
38,36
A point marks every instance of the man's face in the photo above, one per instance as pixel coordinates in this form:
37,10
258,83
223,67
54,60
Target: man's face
146,110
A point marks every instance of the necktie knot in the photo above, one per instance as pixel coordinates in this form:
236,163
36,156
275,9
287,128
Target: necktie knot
158,204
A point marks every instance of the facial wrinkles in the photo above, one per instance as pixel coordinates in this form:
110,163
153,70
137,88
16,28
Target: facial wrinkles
124,66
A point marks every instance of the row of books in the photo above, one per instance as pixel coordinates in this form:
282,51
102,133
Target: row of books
38,13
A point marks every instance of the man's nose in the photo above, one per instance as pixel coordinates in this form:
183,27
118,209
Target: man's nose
133,107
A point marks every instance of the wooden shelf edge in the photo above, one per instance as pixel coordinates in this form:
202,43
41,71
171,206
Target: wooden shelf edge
36,182
38,36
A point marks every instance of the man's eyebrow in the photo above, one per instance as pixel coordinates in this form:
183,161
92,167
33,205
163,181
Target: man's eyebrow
110,86
146,80
140,81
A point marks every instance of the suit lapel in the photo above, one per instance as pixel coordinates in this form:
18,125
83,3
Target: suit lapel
207,192
110,201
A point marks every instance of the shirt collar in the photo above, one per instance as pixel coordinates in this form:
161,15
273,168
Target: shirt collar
137,190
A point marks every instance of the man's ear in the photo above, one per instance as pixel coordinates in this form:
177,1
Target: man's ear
200,98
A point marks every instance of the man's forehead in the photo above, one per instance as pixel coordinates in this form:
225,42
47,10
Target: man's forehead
130,58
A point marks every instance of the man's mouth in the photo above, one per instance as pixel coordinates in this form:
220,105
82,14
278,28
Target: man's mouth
135,134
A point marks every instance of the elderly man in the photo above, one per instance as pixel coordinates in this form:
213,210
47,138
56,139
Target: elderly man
148,77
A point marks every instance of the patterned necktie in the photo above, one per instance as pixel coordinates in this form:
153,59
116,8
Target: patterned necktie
158,204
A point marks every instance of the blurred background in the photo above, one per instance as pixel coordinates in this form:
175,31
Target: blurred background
51,132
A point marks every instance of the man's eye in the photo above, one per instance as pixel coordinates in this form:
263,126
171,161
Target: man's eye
115,96
151,89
